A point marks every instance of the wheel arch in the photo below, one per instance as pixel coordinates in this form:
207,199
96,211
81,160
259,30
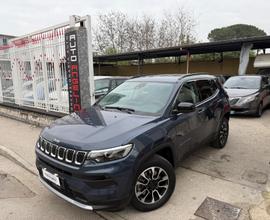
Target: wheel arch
167,153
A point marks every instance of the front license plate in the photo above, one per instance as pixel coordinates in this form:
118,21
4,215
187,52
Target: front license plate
51,177
232,112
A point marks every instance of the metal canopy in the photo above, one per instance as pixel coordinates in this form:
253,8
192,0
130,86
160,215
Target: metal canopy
199,48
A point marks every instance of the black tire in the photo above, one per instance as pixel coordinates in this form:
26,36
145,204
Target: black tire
222,135
162,170
259,110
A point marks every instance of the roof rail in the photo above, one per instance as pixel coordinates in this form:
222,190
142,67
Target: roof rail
139,75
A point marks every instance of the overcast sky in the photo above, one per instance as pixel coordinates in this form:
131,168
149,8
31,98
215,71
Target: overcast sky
19,17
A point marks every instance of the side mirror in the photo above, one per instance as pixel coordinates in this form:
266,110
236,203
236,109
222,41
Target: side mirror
266,86
185,107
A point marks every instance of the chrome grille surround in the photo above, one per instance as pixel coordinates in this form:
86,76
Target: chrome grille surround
61,153
53,150
47,148
70,155
62,156
77,161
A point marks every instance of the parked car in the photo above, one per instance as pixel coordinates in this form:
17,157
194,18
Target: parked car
248,94
104,84
264,72
126,146
221,79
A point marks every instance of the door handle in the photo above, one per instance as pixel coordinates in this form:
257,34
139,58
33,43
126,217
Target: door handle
201,110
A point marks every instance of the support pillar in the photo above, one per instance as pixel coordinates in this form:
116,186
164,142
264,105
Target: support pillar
188,61
244,59
140,65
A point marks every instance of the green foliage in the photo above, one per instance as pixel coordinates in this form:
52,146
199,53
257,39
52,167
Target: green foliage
110,51
234,32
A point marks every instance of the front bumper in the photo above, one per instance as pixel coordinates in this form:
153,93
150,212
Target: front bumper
106,187
244,109
74,202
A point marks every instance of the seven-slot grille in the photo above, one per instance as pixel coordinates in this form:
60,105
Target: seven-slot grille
60,153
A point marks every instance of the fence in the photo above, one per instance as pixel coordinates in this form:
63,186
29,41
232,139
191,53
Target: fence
33,69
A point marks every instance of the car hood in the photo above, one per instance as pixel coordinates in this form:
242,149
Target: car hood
240,92
93,128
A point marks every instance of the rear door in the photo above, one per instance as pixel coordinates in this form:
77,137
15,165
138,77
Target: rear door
209,108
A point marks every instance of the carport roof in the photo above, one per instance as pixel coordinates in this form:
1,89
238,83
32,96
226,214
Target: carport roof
198,48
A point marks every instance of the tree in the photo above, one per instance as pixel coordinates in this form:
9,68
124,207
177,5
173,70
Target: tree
176,28
116,32
146,33
234,32
111,32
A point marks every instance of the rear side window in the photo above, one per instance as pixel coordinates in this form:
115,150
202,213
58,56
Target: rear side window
102,85
116,82
265,81
206,88
113,84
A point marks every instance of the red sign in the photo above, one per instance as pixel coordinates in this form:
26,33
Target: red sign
73,71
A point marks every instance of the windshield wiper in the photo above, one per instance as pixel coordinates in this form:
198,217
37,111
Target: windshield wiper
122,109
238,87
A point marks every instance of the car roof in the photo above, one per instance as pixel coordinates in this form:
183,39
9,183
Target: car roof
172,78
247,76
102,77
110,77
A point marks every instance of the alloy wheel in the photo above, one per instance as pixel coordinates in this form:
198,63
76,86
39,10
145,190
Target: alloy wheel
152,185
223,133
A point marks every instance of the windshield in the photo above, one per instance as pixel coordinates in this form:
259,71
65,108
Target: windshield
243,82
139,97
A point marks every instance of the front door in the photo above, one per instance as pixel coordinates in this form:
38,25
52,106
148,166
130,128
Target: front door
184,128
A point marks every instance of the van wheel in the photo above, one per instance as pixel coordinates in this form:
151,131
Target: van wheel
221,138
154,184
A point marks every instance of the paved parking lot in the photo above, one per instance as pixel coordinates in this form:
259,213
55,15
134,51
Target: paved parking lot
238,174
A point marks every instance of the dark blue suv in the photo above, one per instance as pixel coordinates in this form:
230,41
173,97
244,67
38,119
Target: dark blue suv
125,148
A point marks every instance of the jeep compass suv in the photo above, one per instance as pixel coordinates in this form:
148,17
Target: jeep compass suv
125,148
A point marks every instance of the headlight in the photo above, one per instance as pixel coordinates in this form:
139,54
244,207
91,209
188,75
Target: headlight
101,156
247,99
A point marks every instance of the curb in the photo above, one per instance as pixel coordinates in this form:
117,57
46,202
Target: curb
5,152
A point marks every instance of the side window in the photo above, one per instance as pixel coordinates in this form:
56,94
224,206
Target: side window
116,82
206,88
265,81
188,93
102,85
119,81
5,42
113,84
